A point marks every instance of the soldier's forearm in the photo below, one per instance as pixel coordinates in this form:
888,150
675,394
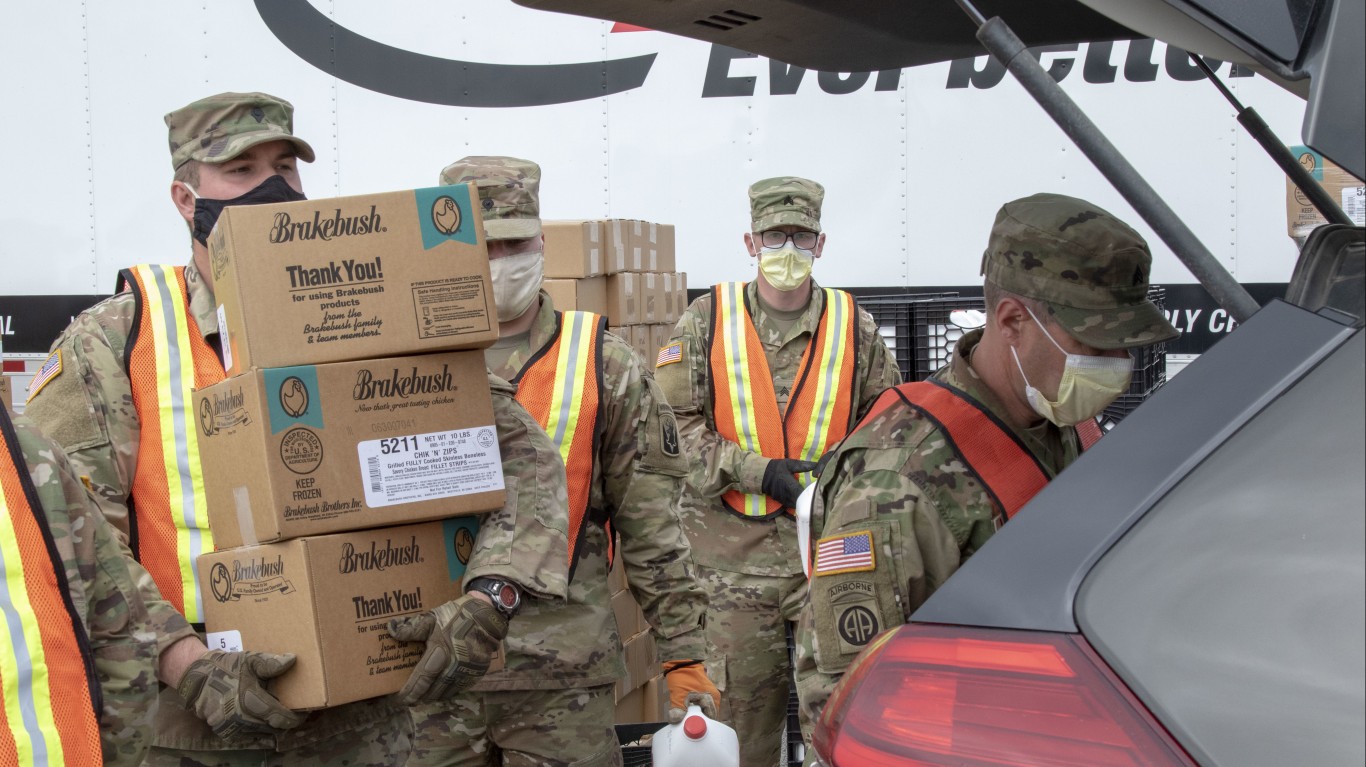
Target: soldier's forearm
176,659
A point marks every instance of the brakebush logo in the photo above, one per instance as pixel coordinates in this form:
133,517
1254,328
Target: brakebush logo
402,385
222,411
286,229
253,578
379,557
444,214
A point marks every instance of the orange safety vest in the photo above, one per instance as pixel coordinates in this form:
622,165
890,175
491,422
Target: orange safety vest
988,448
822,407
560,387
166,359
51,693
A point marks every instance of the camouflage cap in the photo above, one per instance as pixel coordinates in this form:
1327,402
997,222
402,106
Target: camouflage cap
786,200
509,193
1090,268
218,128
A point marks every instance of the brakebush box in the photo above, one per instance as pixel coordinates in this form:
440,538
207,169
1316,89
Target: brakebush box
349,278
328,599
305,450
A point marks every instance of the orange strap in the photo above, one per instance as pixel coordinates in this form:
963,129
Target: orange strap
560,387
168,532
50,693
1088,433
990,450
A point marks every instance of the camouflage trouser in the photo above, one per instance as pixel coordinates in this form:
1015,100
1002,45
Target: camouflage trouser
747,624
385,743
518,728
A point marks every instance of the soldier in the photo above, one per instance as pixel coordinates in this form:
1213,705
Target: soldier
108,375
554,702
938,466
83,651
765,378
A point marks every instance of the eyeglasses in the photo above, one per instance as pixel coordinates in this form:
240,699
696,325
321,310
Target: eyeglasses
776,238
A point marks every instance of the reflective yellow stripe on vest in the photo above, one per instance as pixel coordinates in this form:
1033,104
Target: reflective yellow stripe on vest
734,320
576,342
23,666
167,310
836,349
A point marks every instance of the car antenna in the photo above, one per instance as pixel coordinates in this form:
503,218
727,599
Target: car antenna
1259,130
999,40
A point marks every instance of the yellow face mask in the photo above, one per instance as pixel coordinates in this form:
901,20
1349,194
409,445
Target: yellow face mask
786,268
1089,384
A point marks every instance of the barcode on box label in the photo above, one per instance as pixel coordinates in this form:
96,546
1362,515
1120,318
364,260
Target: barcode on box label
1354,204
423,467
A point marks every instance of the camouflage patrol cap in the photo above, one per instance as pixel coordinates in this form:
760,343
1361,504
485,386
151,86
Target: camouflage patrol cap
786,200
218,128
509,193
1090,268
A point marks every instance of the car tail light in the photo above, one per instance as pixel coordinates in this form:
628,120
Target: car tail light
951,695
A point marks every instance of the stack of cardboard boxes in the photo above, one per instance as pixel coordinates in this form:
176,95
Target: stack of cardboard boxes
621,269
342,487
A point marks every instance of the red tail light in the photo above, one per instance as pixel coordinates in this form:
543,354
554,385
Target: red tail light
950,695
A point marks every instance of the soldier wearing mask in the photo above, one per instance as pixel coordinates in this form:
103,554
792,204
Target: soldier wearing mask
554,703
936,467
765,377
132,361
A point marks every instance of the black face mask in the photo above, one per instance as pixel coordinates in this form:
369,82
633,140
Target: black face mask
206,211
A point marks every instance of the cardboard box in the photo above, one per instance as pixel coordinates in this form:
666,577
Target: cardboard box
624,299
681,292
588,294
350,278
659,336
642,662
307,450
328,599
647,703
574,249
1301,215
652,247
630,618
616,577
6,395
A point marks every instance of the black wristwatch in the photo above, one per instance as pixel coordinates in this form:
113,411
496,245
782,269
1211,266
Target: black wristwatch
505,594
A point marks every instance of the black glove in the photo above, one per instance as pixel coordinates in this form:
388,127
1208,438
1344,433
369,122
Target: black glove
779,484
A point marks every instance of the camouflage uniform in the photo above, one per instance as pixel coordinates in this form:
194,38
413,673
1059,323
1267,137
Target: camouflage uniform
103,588
554,702
88,409
898,475
750,567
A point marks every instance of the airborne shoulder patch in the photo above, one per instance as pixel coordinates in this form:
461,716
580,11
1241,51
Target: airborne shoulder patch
850,553
669,354
50,370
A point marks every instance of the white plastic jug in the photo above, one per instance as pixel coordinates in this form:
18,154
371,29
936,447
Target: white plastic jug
695,742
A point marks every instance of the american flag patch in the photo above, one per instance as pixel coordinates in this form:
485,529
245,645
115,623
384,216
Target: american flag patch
852,553
668,354
50,370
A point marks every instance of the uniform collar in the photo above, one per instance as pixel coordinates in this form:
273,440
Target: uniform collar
806,323
203,307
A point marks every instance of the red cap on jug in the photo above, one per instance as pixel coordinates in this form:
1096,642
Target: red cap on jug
695,727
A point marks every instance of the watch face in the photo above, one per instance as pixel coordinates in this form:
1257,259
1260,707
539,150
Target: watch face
507,596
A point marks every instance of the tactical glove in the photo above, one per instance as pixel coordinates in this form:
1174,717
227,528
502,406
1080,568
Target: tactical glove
689,685
778,482
225,689
462,636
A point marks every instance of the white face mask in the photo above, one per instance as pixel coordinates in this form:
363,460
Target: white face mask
1088,385
786,268
516,283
